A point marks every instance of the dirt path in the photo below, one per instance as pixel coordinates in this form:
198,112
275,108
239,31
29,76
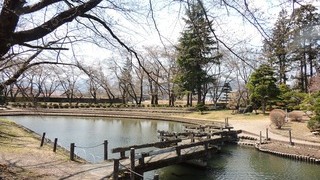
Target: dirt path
22,158
254,127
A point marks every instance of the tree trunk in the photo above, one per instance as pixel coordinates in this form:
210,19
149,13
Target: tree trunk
199,100
263,106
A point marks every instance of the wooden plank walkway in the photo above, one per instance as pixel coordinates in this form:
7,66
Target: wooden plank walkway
176,151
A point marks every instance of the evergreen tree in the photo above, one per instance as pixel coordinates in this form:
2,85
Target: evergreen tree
196,50
276,48
262,86
304,47
294,46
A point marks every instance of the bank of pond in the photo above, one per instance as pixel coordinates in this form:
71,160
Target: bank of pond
233,162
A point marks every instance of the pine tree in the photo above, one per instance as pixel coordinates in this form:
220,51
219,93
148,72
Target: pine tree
304,45
262,86
196,50
276,48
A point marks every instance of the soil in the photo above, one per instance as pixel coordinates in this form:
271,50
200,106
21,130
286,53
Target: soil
21,156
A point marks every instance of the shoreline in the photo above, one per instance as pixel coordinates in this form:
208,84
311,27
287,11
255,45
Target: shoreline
301,154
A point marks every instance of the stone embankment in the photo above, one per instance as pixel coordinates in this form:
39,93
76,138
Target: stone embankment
295,151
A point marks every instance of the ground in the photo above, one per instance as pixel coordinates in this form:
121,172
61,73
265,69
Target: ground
21,156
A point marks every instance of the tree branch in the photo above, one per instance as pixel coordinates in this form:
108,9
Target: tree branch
219,40
54,23
35,7
43,47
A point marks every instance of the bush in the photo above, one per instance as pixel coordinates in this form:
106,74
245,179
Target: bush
314,123
44,105
201,107
66,106
278,117
295,116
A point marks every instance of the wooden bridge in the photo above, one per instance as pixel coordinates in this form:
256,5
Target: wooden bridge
196,143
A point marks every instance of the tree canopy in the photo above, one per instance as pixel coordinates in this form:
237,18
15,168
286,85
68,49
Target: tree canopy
197,49
262,86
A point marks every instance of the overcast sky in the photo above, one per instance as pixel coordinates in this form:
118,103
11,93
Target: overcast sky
230,26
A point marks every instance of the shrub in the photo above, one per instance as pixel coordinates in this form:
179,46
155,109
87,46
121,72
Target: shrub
201,107
314,123
277,117
43,105
295,116
55,106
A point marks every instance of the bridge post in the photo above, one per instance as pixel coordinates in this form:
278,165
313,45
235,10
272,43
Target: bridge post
141,160
206,147
176,136
192,137
178,150
161,136
122,154
267,134
132,165
116,169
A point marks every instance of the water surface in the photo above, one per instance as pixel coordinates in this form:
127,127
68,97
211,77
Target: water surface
233,162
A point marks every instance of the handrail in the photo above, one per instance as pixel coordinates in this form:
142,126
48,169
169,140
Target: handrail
156,144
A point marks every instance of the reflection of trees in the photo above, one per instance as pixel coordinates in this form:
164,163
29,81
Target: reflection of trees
269,165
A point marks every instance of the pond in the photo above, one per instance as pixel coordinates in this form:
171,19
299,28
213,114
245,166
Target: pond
233,162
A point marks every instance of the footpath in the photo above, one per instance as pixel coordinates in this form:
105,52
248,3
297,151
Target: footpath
254,128
22,158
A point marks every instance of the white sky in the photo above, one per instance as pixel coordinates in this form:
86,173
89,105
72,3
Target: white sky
230,27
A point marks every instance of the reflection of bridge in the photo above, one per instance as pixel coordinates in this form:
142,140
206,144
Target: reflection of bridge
197,143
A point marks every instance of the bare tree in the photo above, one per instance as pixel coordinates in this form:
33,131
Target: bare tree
69,82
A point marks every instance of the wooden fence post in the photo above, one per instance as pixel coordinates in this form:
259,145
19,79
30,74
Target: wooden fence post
260,137
290,138
267,134
228,122
225,122
105,150
72,145
42,139
55,144
132,165
116,169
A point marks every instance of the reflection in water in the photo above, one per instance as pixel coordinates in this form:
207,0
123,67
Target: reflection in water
232,163
88,132
244,163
